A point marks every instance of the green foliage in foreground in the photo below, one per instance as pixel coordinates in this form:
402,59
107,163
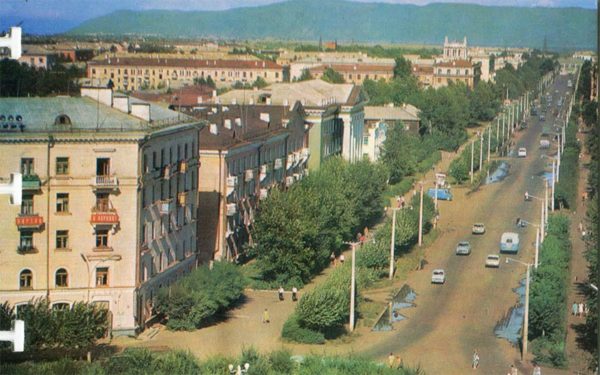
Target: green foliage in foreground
548,294
194,300
566,188
72,328
144,362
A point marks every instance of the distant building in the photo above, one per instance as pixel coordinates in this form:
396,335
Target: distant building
132,73
185,98
109,199
12,43
245,151
455,50
356,73
424,75
336,112
455,71
378,120
37,57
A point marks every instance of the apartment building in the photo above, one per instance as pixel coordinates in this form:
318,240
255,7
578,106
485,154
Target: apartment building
335,112
132,73
453,71
356,73
245,151
378,120
109,195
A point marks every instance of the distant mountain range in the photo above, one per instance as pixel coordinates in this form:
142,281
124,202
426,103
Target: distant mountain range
563,28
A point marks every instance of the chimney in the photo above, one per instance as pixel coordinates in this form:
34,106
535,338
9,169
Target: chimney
121,103
141,110
213,129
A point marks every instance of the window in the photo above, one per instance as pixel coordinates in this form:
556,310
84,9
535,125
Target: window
61,306
27,166
62,166
26,241
365,140
27,204
62,239
62,202
101,276
61,278
101,238
26,279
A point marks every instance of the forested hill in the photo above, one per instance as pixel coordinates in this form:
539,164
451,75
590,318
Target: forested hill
564,28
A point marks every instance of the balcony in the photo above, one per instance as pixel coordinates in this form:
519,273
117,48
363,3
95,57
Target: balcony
105,183
29,222
31,182
27,249
104,214
183,166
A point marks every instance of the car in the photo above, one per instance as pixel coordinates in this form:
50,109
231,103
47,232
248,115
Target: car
442,194
478,228
463,248
438,276
522,152
542,118
492,260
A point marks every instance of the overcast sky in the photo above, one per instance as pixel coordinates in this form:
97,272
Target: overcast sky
60,15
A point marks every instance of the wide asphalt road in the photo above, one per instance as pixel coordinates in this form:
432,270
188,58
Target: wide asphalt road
451,320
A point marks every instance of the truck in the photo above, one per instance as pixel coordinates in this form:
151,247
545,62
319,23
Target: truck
509,242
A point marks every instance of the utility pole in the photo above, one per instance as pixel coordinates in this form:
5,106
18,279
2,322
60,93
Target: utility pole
553,180
489,142
546,201
481,151
537,246
503,122
353,287
421,217
393,242
526,320
542,225
498,133
472,151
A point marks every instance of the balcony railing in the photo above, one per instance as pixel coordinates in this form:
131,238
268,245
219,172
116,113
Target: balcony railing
29,221
27,249
31,182
105,182
104,214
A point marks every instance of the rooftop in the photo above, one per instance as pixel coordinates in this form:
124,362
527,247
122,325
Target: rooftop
405,112
313,93
358,67
455,64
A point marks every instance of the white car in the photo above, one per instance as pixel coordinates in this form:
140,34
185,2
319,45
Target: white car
522,152
438,276
463,248
478,228
492,260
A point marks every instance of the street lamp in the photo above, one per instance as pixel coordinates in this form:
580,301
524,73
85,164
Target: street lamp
544,211
352,283
239,370
537,239
526,319
393,241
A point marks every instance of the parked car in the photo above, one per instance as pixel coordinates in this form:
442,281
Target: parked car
438,276
478,228
522,152
492,260
442,194
463,248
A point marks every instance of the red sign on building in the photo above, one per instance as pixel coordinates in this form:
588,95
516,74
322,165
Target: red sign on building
105,218
29,221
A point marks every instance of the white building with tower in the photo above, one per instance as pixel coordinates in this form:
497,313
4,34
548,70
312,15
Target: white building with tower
12,41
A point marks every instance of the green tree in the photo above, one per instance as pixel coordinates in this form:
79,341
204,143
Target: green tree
331,76
397,153
305,76
260,83
403,68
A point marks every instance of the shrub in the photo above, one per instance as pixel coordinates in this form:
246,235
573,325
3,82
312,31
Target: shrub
323,308
294,332
281,361
195,299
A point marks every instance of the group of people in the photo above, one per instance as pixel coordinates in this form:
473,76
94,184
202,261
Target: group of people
579,309
265,317
394,361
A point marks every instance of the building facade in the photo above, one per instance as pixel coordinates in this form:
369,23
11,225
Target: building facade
131,73
454,71
79,233
245,151
379,119
356,73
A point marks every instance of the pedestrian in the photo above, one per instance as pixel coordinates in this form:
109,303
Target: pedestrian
513,370
475,359
581,309
280,292
580,226
359,236
537,370
332,258
586,309
574,309
342,258
294,294
265,317
391,360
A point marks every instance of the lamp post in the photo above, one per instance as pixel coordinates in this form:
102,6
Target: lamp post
489,142
481,150
352,283
472,151
421,216
393,242
542,219
526,319
553,181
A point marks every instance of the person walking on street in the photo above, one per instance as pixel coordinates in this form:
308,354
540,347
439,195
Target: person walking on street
332,258
581,309
513,370
342,258
475,363
265,317
537,370
574,309
391,360
586,309
280,292
294,294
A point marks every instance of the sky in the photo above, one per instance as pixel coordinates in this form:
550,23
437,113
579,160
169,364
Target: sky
51,16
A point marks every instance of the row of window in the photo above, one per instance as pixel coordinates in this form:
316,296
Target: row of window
186,73
62,166
61,278
457,71
160,160
62,240
62,203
